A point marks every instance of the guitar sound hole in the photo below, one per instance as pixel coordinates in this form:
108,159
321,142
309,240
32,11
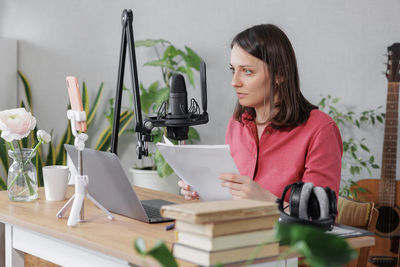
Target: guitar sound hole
388,220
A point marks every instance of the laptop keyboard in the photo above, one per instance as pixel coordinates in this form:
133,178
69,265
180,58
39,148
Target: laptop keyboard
151,211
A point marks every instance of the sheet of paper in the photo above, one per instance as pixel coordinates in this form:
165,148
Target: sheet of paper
199,166
347,231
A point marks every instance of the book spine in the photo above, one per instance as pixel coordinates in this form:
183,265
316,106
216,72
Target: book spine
228,227
225,242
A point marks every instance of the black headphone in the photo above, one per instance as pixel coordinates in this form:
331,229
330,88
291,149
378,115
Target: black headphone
309,205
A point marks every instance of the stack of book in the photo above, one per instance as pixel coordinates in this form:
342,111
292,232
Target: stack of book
221,232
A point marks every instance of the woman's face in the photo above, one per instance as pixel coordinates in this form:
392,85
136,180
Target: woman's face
250,79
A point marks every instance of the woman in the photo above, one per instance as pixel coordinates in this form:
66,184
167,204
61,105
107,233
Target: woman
276,136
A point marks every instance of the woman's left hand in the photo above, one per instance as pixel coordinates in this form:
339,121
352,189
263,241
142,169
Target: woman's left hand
244,187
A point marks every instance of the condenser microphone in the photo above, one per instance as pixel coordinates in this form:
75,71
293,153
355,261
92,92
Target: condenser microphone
180,115
179,108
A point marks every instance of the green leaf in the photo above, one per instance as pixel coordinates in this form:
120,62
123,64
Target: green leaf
95,105
193,135
161,96
321,103
371,159
140,246
104,140
159,252
163,169
157,134
51,156
27,89
60,152
85,98
357,169
364,147
37,161
335,100
375,166
345,146
307,240
192,59
160,63
372,120
153,97
3,185
24,142
170,52
150,42
109,114
352,170
362,190
379,118
4,155
363,118
190,75
147,97
188,71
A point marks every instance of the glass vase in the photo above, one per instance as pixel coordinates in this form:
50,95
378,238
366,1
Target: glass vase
22,176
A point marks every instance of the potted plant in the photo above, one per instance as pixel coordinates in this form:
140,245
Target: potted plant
170,60
356,153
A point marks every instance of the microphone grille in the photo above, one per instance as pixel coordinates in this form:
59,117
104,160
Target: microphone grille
178,84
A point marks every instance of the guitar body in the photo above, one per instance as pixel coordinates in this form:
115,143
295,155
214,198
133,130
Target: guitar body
388,225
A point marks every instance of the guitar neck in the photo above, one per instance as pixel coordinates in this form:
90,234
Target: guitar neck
387,186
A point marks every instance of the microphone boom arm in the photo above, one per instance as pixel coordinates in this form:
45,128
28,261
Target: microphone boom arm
143,134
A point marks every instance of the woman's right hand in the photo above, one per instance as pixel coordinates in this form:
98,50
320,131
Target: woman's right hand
186,192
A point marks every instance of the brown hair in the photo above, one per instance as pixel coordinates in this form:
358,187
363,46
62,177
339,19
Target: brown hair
270,44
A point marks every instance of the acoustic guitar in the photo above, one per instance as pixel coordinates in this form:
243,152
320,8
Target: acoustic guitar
385,191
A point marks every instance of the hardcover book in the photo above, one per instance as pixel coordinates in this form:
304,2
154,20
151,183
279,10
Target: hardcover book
223,210
206,258
228,227
227,241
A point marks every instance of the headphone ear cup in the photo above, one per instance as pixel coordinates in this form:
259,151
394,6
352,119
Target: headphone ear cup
323,200
304,200
313,207
332,201
294,198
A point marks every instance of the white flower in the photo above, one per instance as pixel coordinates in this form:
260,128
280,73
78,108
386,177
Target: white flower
43,136
16,124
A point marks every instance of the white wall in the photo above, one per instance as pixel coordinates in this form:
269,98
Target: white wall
8,74
339,45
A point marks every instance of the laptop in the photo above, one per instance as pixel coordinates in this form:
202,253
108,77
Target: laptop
109,185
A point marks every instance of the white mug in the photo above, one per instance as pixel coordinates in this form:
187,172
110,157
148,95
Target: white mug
55,180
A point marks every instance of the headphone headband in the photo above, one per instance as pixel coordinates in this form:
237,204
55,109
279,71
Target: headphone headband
310,202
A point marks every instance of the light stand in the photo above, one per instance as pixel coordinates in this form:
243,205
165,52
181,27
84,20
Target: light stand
81,181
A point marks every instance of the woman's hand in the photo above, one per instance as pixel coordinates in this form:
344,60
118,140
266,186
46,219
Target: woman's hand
244,187
186,192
